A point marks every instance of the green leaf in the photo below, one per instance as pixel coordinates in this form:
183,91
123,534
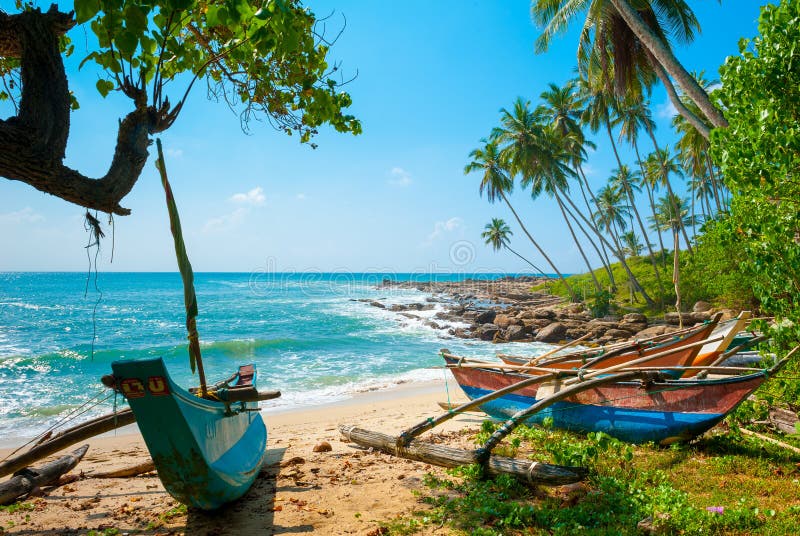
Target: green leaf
86,9
104,87
127,43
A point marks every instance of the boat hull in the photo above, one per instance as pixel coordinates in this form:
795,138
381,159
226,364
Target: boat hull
663,412
207,453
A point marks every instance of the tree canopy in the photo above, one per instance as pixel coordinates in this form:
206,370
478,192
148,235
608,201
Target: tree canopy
266,59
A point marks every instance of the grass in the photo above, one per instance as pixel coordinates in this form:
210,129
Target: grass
583,284
720,484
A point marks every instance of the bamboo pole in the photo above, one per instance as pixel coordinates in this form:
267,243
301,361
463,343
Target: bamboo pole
76,434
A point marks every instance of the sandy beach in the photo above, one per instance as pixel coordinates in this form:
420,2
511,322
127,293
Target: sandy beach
345,491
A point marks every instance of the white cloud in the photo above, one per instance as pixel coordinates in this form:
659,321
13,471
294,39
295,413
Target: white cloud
253,197
226,222
666,110
442,228
177,153
26,215
399,177
588,170
301,197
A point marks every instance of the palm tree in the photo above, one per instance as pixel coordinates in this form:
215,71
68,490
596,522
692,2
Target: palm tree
497,235
631,244
537,154
562,107
496,182
630,44
666,163
668,217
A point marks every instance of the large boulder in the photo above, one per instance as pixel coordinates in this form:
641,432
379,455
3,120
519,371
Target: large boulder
652,331
515,333
618,334
688,318
485,317
544,313
634,318
504,320
553,333
488,331
701,307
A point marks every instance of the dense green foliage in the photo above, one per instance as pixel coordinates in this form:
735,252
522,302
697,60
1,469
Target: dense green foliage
759,156
714,272
265,56
720,485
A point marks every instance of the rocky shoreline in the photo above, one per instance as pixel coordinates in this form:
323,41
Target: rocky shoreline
507,310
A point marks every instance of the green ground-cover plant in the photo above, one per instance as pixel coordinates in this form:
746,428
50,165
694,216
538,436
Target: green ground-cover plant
720,484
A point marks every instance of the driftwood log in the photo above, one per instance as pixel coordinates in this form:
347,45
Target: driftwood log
26,480
67,438
126,472
525,470
784,420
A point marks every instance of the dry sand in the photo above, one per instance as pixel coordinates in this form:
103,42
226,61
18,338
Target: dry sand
344,491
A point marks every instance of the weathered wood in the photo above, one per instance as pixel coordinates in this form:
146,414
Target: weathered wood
770,440
69,437
26,480
784,420
529,472
538,359
125,472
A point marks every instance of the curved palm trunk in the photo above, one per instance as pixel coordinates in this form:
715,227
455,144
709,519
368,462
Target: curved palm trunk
714,185
667,59
601,254
585,181
539,248
538,270
660,284
597,285
676,101
649,191
671,194
618,252
676,276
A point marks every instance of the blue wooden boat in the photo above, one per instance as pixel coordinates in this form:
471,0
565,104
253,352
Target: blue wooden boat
206,452
663,411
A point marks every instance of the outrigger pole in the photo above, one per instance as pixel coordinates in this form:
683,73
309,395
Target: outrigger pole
185,267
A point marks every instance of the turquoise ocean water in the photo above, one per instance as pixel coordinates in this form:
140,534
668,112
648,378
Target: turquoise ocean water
306,333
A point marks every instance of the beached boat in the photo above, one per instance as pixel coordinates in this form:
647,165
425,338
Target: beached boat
206,452
630,352
659,410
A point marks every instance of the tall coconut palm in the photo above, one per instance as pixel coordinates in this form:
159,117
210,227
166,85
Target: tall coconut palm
630,242
534,151
497,234
562,108
496,182
668,164
633,45
668,217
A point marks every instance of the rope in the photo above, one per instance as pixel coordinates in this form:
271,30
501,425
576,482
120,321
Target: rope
447,390
92,225
75,413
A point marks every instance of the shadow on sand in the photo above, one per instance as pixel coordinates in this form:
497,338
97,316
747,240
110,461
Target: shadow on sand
252,514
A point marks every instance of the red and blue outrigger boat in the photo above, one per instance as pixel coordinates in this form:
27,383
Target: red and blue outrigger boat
650,408
207,444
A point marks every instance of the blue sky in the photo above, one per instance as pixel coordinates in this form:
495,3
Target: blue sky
431,79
